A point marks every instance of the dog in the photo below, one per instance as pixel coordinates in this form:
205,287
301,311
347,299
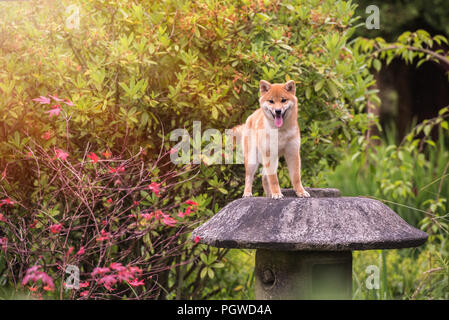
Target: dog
273,126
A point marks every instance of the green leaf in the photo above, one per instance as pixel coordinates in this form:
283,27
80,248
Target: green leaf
319,85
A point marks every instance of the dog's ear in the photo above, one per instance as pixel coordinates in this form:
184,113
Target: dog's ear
264,87
290,87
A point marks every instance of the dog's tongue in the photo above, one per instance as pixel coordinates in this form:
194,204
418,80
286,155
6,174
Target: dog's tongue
278,121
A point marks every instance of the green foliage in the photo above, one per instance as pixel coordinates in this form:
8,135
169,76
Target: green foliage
411,178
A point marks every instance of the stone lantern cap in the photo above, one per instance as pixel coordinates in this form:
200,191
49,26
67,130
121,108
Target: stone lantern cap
323,222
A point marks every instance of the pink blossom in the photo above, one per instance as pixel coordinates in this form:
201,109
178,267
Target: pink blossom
69,103
197,239
147,216
124,275
136,283
107,154
104,236
181,214
33,274
108,281
169,221
84,284
80,251
69,252
173,150
117,266
42,100
190,202
55,98
6,201
84,293
61,154
2,218
116,170
55,228
134,270
53,112
46,135
100,271
92,156
155,187
188,210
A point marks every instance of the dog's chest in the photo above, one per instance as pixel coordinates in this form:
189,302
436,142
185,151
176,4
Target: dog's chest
287,139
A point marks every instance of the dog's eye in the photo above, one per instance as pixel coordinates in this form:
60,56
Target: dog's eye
271,101
283,100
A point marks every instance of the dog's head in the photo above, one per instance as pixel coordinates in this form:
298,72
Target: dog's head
277,100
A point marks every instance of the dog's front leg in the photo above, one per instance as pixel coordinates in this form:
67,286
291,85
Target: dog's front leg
293,160
270,165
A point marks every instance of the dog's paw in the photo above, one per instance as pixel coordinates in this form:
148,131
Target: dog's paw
303,194
277,196
247,195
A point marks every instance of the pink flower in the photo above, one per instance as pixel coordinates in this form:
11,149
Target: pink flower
33,274
92,156
155,187
46,135
55,98
84,293
6,201
116,170
107,154
69,103
55,228
117,266
108,281
181,214
84,284
60,154
42,100
104,236
190,202
169,221
136,283
99,271
134,270
188,210
53,112
173,150
147,216
197,239
109,200
2,218
69,252
33,225
80,251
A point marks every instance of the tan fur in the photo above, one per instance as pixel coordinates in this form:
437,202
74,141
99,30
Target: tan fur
260,126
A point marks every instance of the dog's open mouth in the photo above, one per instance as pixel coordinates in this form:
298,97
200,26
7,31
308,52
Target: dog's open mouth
278,120
279,117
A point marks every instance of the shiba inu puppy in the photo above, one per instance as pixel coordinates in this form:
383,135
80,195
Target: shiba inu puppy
270,132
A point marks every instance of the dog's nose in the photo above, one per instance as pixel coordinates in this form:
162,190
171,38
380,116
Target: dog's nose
278,112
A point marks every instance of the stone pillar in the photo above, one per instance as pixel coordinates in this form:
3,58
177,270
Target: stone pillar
294,275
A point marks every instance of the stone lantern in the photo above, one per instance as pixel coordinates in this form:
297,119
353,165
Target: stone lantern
304,245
